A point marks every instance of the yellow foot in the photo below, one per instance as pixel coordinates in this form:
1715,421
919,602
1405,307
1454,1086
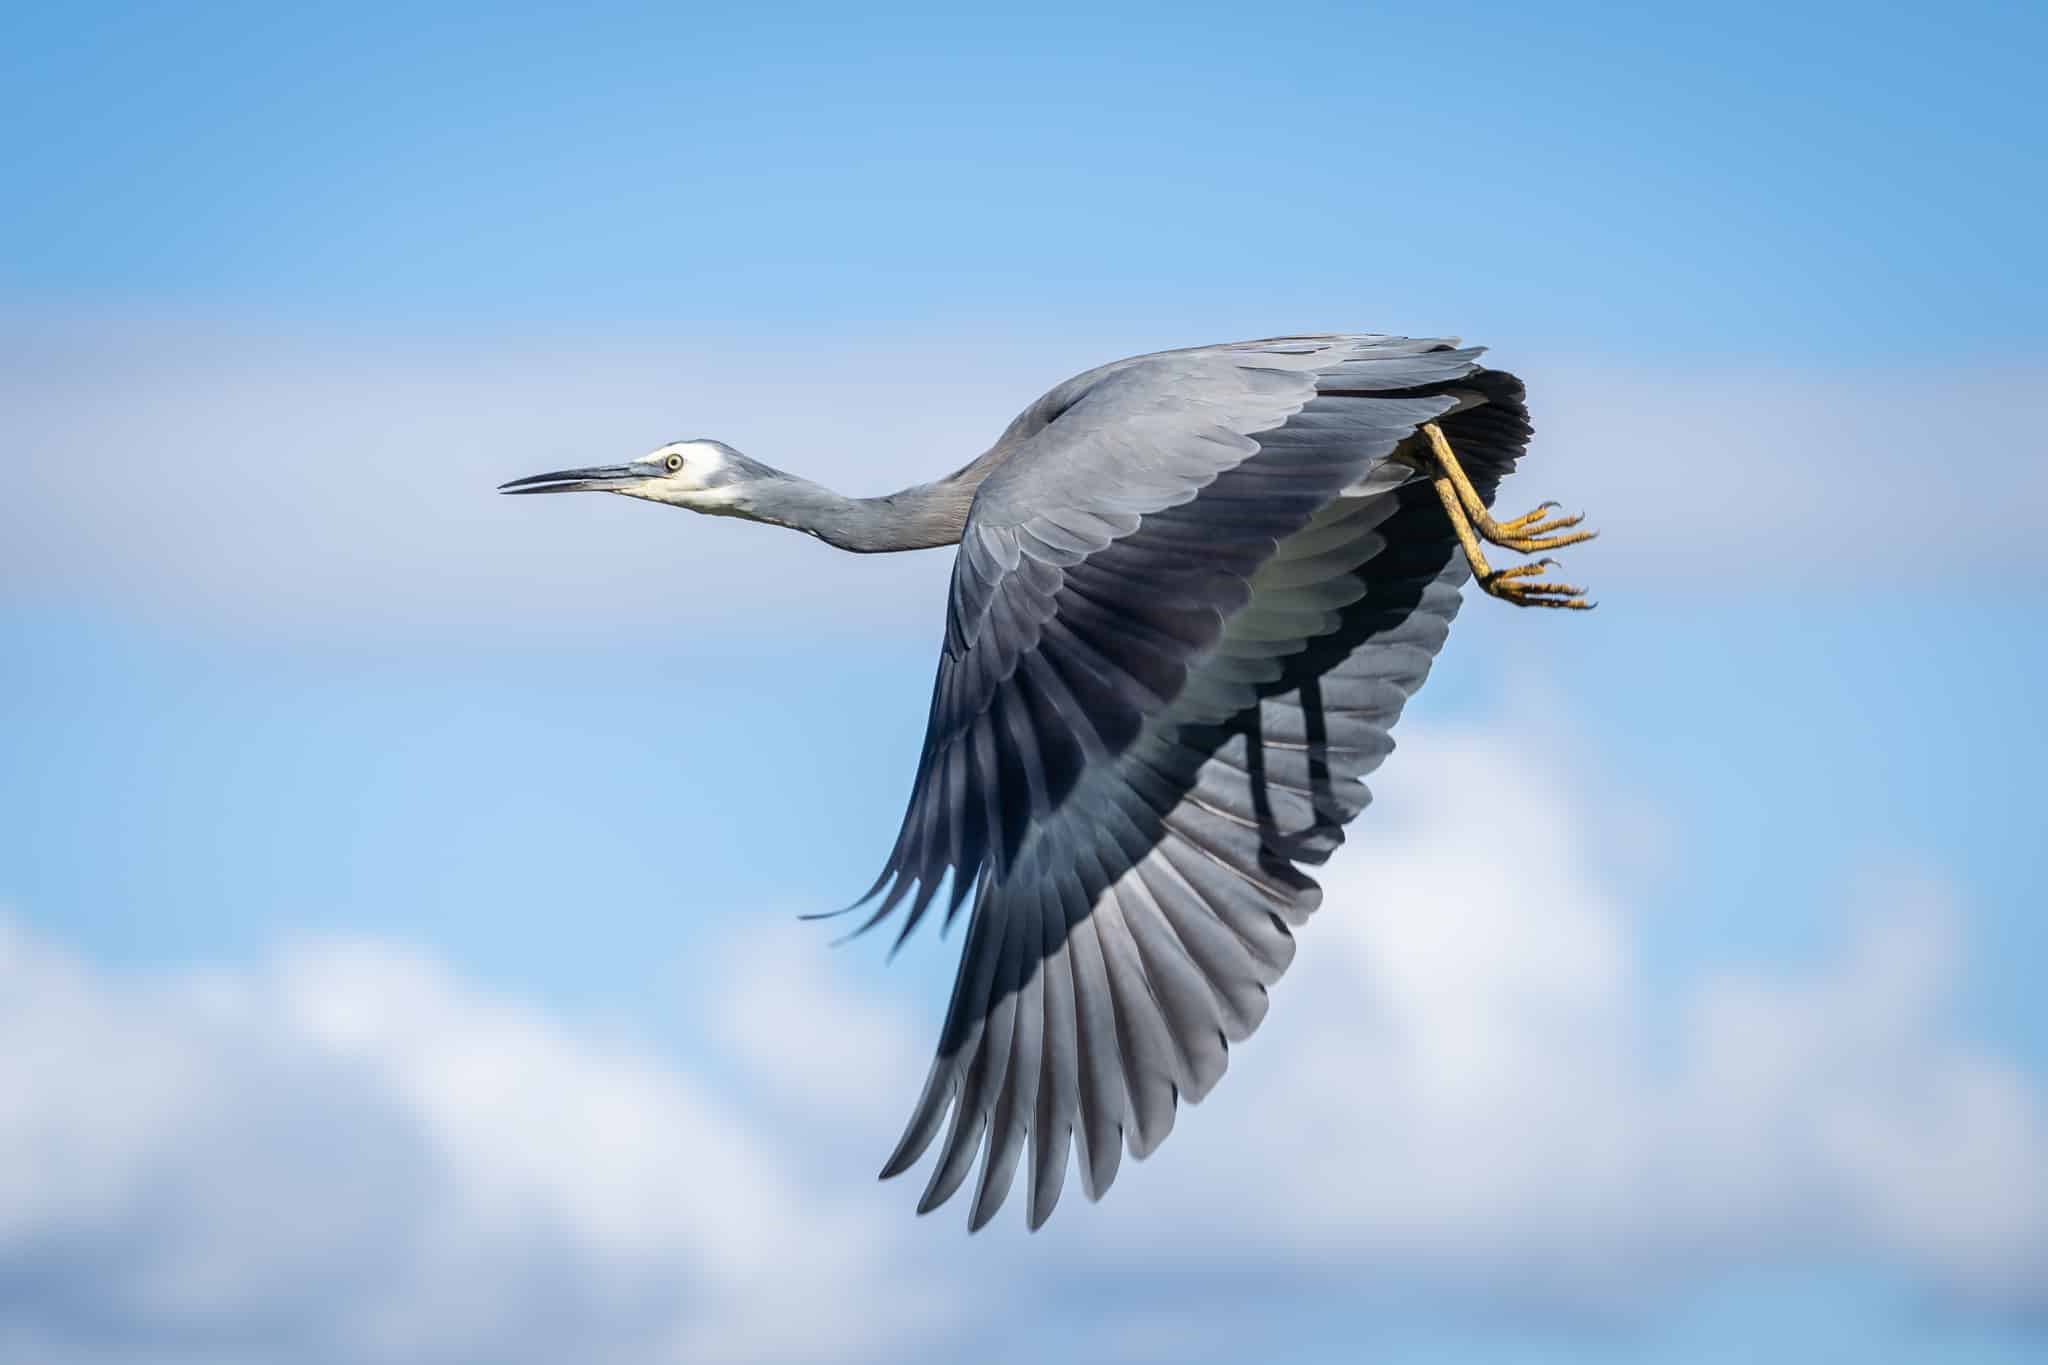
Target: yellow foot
1526,524
1535,542
1508,586
1527,534
1530,533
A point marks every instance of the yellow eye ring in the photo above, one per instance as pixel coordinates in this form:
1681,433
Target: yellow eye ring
675,462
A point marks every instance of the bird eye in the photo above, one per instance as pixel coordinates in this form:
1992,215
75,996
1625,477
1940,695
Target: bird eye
675,462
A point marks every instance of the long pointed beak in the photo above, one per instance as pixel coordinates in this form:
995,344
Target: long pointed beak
596,479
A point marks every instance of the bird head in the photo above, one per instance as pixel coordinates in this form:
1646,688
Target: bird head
700,474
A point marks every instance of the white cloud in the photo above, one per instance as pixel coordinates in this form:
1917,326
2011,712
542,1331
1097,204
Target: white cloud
331,487
1468,1071
349,1155
1467,1081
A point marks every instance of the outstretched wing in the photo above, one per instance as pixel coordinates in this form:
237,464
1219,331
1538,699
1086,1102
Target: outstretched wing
1187,607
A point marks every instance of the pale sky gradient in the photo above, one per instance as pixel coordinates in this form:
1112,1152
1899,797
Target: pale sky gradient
398,954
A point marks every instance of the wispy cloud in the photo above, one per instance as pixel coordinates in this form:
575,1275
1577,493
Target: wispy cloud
325,487
351,1153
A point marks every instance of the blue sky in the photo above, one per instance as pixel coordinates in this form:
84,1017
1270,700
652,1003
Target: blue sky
397,883
1745,178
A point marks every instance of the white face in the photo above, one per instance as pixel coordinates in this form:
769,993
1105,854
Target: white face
684,474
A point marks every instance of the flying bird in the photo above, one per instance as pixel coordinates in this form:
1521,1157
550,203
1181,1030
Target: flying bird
1192,593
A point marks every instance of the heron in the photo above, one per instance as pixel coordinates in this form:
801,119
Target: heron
1192,593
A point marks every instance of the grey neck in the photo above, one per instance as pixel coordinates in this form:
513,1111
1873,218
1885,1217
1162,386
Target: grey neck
922,517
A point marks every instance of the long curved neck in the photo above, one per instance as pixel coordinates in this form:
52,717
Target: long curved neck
921,517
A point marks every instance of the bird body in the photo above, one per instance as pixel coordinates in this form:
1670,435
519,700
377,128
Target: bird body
1192,594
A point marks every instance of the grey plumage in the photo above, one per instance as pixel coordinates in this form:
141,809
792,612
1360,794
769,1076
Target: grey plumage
1192,594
